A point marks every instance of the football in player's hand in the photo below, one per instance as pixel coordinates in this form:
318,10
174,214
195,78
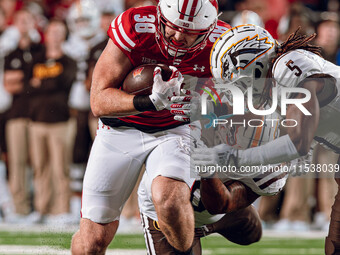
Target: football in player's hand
140,80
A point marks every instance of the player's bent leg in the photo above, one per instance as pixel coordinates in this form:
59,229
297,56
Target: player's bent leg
93,238
111,174
332,244
157,244
175,214
241,227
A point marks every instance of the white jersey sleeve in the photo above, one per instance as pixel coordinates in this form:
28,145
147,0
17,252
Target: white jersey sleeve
292,68
267,184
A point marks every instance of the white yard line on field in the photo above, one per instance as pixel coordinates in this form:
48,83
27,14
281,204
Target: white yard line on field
271,251
45,228
39,228
45,250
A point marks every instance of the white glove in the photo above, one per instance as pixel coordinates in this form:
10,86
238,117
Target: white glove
162,91
207,160
186,108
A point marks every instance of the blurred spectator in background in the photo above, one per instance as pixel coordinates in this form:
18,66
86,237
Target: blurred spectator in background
268,13
5,97
109,7
272,13
53,74
17,71
315,5
40,20
137,3
58,9
225,5
10,7
328,35
6,204
83,21
108,13
247,17
295,213
2,21
324,185
332,6
23,28
298,16
245,14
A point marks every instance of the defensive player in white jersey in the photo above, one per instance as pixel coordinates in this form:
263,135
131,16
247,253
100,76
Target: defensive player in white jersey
244,54
134,130
220,205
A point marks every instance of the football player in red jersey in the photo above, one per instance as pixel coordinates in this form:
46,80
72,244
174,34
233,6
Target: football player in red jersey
140,129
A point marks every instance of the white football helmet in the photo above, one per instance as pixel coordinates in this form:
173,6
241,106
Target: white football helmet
83,18
187,16
242,56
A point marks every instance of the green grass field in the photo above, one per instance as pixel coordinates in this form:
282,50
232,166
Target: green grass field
130,244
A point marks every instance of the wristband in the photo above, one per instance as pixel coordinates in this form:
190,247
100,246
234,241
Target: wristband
143,103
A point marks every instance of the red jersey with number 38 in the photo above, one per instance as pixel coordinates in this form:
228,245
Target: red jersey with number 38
133,32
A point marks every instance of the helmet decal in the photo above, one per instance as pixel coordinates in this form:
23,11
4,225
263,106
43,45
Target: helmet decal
189,9
243,53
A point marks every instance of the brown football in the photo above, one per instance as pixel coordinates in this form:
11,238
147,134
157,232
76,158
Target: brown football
140,80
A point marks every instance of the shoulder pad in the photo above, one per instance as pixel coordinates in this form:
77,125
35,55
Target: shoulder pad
293,67
127,30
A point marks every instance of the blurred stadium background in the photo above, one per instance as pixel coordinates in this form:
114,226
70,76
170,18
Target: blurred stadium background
293,224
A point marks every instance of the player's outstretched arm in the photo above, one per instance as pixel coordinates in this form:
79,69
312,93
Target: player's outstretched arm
303,134
218,197
294,144
298,140
108,75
